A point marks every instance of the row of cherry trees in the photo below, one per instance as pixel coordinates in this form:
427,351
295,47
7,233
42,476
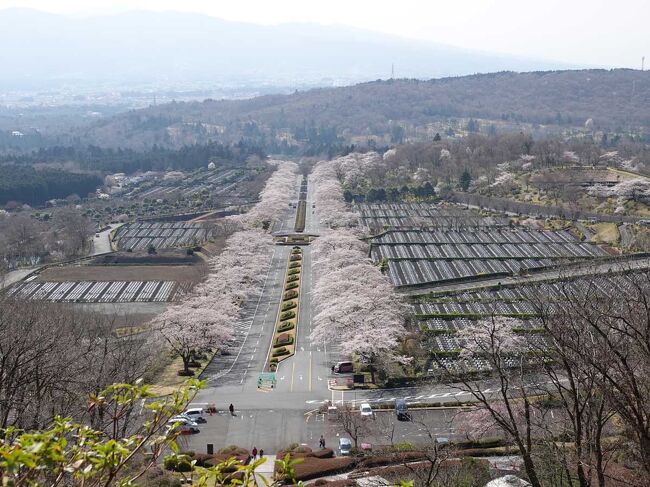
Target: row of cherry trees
204,320
356,306
328,193
280,189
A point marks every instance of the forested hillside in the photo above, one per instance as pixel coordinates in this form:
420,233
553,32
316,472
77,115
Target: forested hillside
24,184
615,100
128,161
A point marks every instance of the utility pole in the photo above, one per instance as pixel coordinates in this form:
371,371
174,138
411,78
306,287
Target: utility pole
642,62
392,71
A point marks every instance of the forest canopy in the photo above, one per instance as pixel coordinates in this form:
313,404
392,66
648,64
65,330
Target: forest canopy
28,185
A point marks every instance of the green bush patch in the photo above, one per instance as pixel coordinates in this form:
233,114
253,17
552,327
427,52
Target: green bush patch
289,305
292,285
280,352
283,339
287,315
293,271
290,295
286,326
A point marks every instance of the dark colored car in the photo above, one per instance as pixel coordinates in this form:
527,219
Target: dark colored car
401,410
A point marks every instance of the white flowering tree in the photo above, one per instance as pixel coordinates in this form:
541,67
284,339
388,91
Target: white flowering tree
275,197
356,305
192,327
507,403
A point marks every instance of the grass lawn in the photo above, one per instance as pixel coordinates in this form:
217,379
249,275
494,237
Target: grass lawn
168,380
605,233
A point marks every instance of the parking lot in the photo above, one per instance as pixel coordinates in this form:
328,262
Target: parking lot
272,429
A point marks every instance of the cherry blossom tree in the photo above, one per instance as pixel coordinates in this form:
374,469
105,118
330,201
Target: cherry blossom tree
508,403
280,188
356,306
328,196
192,328
204,319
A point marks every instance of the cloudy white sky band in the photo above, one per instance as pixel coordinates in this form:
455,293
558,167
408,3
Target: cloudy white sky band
587,32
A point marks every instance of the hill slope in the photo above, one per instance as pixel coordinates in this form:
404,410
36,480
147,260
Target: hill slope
615,100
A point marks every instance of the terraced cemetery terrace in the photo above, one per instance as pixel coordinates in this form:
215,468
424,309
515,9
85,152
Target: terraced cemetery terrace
418,215
199,181
162,235
97,291
442,318
419,257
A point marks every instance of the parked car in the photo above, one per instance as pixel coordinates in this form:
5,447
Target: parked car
365,410
401,410
182,425
343,368
345,445
195,414
180,418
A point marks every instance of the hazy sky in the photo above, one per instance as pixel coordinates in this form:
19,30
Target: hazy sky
598,32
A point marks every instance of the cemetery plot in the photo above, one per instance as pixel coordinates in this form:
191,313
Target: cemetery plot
97,291
413,215
162,235
417,257
200,181
442,318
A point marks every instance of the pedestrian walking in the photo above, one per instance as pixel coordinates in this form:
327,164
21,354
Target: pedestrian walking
254,452
261,453
332,369
321,442
231,408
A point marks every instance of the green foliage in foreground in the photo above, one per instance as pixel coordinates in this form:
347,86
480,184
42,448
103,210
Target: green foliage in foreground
73,454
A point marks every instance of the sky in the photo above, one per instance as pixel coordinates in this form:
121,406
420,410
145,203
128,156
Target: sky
585,32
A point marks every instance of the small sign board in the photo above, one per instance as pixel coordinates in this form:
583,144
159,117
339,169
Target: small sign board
266,379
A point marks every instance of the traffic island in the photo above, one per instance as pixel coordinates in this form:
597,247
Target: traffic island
286,323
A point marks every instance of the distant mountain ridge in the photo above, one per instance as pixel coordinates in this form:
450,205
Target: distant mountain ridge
42,49
615,100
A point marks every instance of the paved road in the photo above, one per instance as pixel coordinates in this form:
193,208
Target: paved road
102,240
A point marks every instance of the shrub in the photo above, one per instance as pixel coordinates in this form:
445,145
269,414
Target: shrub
178,463
289,305
286,326
295,265
292,278
295,257
312,467
323,453
283,339
280,352
290,286
234,451
287,315
290,295
293,271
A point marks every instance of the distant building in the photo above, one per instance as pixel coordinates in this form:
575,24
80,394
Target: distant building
17,133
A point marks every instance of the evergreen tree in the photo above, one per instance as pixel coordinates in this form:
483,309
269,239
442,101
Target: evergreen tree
465,180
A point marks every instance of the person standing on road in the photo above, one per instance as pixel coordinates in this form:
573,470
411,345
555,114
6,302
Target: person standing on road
254,452
261,453
231,408
321,442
